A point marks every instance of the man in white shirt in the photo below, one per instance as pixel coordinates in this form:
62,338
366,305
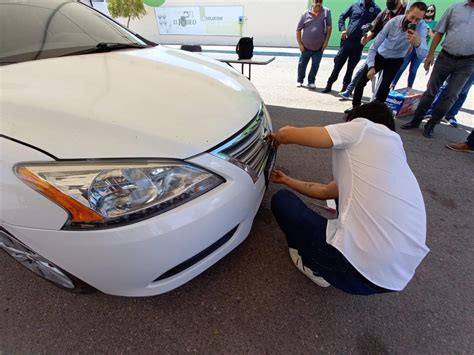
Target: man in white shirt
378,239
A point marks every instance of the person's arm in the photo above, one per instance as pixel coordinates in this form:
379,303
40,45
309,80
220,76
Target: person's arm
429,61
367,38
328,30
310,189
377,24
441,29
300,41
316,137
328,35
377,42
299,28
420,45
342,20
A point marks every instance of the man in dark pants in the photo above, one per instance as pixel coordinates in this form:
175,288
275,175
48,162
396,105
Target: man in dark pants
360,13
394,8
455,64
390,48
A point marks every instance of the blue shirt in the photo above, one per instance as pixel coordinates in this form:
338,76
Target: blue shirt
359,15
392,41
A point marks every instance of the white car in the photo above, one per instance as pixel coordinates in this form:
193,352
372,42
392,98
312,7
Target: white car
126,167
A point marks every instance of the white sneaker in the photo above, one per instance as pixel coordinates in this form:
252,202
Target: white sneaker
296,259
312,86
299,85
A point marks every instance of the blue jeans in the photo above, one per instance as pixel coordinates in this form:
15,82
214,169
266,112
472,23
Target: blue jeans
305,230
414,62
305,56
459,102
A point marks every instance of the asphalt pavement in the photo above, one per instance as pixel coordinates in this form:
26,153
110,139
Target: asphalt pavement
254,300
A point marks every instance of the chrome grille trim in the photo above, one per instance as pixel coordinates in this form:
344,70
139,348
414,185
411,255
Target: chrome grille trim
249,149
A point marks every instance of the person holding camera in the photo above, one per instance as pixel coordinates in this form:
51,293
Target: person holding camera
379,236
412,59
400,36
455,64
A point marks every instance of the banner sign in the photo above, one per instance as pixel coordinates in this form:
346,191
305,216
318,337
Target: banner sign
199,20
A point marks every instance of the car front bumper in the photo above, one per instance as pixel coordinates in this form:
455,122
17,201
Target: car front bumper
163,252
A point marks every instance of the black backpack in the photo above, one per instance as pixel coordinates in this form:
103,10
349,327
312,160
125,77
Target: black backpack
244,48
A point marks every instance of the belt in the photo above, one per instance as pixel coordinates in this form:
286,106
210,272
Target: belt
458,57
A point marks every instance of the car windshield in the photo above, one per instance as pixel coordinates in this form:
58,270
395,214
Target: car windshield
31,30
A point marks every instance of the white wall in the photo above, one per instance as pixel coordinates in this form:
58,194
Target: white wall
261,23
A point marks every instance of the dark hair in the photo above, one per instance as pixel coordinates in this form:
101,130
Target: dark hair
374,111
434,8
420,5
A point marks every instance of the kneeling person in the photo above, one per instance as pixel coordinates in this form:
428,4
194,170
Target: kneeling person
378,239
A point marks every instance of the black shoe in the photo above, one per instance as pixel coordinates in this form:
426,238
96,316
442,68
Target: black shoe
348,111
429,130
410,125
326,90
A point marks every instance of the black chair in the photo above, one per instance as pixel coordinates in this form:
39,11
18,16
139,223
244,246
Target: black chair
191,47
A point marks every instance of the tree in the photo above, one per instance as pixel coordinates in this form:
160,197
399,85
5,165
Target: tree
133,9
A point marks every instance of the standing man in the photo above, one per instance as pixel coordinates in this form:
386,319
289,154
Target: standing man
390,48
455,63
359,13
316,25
394,8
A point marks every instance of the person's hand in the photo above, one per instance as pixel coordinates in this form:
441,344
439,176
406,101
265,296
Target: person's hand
413,38
278,177
429,61
325,45
301,48
371,73
276,137
344,35
364,40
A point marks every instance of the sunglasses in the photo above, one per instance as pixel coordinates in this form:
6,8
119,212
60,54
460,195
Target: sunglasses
428,11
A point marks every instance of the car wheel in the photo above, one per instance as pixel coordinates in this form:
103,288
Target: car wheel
41,266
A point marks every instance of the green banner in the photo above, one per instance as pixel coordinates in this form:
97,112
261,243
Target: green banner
338,7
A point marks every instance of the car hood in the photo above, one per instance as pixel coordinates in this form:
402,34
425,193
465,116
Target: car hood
155,103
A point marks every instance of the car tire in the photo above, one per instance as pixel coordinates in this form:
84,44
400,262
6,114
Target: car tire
41,266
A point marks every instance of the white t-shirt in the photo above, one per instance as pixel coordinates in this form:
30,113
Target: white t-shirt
381,228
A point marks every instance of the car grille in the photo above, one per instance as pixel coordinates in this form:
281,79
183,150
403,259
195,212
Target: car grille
249,149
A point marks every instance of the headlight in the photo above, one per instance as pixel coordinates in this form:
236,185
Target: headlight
101,194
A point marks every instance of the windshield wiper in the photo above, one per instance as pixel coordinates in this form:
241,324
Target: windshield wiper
107,47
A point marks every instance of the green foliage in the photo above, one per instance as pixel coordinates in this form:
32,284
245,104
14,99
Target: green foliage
131,9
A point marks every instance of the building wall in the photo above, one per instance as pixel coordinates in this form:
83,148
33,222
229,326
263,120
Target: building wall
271,23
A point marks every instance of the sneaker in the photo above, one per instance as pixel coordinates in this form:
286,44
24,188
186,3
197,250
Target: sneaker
348,110
326,90
313,276
453,122
459,147
312,86
299,85
345,95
